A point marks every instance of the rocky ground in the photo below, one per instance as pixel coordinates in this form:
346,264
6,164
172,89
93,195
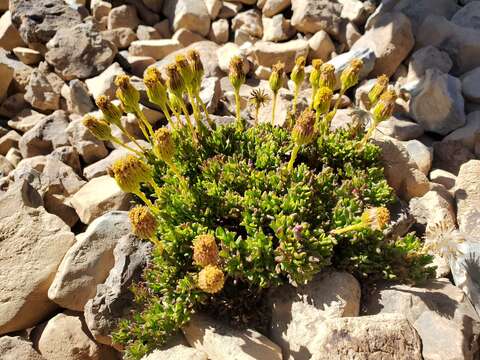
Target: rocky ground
66,255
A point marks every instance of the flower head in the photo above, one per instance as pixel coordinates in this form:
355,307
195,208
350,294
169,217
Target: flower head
99,128
350,75
156,90
236,74
276,77
111,112
376,218
184,69
443,239
175,81
323,99
315,74
298,72
211,279
193,57
385,106
258,97
127,94
303,132
378,89
327,76
144,224
130,172
205,250
163,146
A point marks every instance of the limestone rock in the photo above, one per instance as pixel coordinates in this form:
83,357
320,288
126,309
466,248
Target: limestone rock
147,33
268,53
33,243
469,134
443,177
468,16
213,7
9,36
219,31
470,85
188,14
69,156
467,196
103,84
340,62
8,141
298,313
249,21
210,93
6,167
187,37
220,342
41,92
14,156
277,28
97,197
449,155
15,348
121,37
399,129
428,57
178,352
123,16
321,46
27,56
89,148
421,154
435,207
77,97
157,49
114,300
310,16
99,168
273,7
6,74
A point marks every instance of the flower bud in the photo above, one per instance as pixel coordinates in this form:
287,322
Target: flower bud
303,132
351,73
195,62
184,69
163,146
130,172
315,74
323,99
378,89
156,91
127,94
276,77
205,250
385,106
236,74
111,112
211,279
144,224
99,128
298,72
376,218
175,81
327,76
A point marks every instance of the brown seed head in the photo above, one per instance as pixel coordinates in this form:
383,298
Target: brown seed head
205,250
144,224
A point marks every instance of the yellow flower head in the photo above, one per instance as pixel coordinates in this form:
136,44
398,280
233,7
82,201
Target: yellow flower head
144,224
127,94
236,74
184,69
111,112
303,132
156,91
315,74
376,218
276,77
175,81
378,89
327,76
99,128
130,172
193,57
385,106
211,279
323,99
163,146
298,72
350,75
205,250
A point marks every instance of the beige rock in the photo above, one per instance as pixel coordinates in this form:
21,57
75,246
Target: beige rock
189,14
138,64
16,348
220,342
246,2
32,246
241,37
443,177
277,28
6,167
467,196
69,156
99,168
147,33
77,97
428,57
163,28
229,9
469,134
64,337
421,154
178,352
25,120
123,16
100,9
268,53
14,156
103,84
435,207
311,16
213,7
219,31
186,37
122,37
274,7
41,92
27,56
97,197
9,36
8,141
250,21
12,105
225,54
156,49
321,46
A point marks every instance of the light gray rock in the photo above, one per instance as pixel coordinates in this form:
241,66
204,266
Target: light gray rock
321,46
147,33
310,16
469,134
41,91
277,28
219,31
428,57
187,37
443,177
470,85
450,155
88,147
178,352
157,49
467,195
399,129
210,93
249,21
188,14
421,154
435,207
340,62
213,8
25,120
123,16
77,97
69,156
268,53
103,84
33,243
16,348
468,16
271,8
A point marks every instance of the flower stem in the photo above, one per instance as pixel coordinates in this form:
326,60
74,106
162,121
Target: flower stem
354,227
314,92
167,115
274,107
118,142
130,136
204,107
139,114
293,157
295,99
237,106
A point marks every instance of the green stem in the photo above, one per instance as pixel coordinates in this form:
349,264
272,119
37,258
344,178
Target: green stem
293,157
118,142
177,172
257,109
204,107
314,92
189,121
131,138
155,187
274,107
354,227
196,113
139,113
237,106
295,99
167,115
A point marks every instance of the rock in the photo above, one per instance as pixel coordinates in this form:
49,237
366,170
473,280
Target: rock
80,52
228,51
321,46
433,208
277,28
186,37
268,53
443,177
41,92
155,5
9,36
220,342
103,84
100,9
219,31
177,352
123,16
147,33
468,16
438,311
39,22
6,74
163,28
97,197
213,7
114,300
421,154
249,21
88,262
469,134
14,156
27,56
6,167
138,64
25,120
157,49
356,11
310,16
401,171
353,337
399,129
88,147
470,87
99,168
229,10
428,57
391,39
450,155
8,141
340,62
12,105
121,37
274,7
298,313
437,103
210,93
64,337
29,235
188,14
77,97
241,37
467,196
69,156
15,348
48,134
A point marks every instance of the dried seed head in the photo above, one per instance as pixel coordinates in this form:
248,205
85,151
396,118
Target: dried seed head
444,240
276,77
174,80
385,106
258,97
193,57
127,94
99,128
163,146
327,76
378,89
236,74
130,172
144,224
156,91
298,72
323,99
351,74
376,218
184,69
211,279
303,132
315,74
111,112
205,250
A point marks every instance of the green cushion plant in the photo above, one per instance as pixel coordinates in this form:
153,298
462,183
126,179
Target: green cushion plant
236,209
